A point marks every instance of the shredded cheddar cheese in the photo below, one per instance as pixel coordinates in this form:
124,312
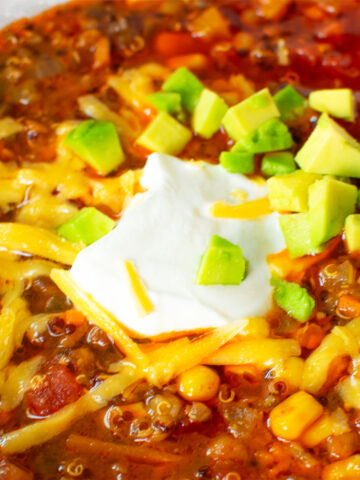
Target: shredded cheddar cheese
243,211
239,195
143,302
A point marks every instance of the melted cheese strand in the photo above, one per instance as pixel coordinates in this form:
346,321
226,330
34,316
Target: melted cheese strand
99,316
37,241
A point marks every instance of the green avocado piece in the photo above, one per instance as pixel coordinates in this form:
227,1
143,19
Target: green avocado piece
208,113
222,264
97,143
185,83
249,114
338,102
167,102
238,162
290,193
294,299
278,163
296,231
330,150
290,103
165,135
87,226
330,202
352,232
271,136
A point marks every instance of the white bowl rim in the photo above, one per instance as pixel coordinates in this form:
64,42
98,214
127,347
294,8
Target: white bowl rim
11,10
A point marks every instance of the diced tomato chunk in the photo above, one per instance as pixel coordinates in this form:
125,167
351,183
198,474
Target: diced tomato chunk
169,44
53,390
9,471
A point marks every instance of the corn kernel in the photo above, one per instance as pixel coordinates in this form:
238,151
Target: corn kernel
328,424
198,384
347,469
294,415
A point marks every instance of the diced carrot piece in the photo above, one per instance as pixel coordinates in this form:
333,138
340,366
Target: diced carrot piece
170,44
193,61
74,317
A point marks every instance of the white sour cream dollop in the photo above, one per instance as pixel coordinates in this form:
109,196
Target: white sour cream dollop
164,232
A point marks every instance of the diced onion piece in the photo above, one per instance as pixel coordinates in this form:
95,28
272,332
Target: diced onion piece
8,127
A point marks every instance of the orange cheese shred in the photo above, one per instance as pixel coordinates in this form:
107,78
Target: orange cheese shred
143,302
244,211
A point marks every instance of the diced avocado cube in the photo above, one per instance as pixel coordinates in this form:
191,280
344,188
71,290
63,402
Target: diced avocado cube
294,299
352,232
296,231
358,199
185,83
338,102
166,102
208,113
290,193
278,164
87,226
330,150
330,202
165,135
97,143
290,103
222,264
248,115
238,162
270,136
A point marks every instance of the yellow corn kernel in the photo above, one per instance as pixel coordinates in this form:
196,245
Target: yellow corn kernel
348,469
335,423
291,369
294,415
199,384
